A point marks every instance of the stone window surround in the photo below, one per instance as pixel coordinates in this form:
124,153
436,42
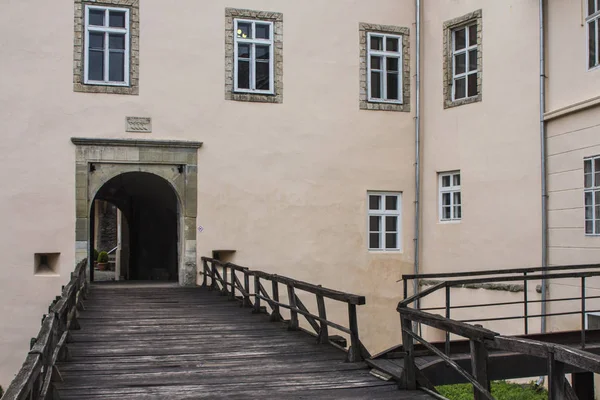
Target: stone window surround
364,103
449,26
79,46
277,20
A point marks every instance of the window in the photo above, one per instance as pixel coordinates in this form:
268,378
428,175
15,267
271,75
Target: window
591,172
253,56
450,198
593,32
463,59
384,221
384,67
106,46
464,62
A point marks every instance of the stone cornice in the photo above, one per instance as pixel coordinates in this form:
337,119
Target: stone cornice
135,143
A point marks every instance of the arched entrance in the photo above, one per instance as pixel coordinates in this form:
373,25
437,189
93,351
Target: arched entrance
148,248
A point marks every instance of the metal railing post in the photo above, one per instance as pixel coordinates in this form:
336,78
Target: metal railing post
583,312
447,344
525,304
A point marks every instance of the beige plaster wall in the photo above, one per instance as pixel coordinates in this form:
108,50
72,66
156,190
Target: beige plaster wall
283,184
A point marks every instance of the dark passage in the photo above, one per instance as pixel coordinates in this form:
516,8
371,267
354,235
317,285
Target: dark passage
150,239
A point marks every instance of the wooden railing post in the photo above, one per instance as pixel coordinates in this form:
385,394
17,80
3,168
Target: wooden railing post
479,364
323,331
246,302
256,309
275,315
224,280
232,293
556,376
293,313
409,360
354,352
213,280
205,269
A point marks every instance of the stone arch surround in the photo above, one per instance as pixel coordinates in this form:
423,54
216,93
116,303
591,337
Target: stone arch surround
99,160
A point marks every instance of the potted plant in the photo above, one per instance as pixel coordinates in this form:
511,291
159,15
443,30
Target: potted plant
102,260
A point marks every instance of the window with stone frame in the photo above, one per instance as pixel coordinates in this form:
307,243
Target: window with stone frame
253,56
462,60
450,201
591,193
106,47
384,221
593,33
384,68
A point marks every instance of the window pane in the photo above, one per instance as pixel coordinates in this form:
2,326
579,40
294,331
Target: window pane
597,215
96,65
375,85
597,162
597,226
392,86
597,197
262,75
243,74
588,204
374,223
587,166
588,180
472,35
445,199
473,60
262,52
391,224
97,41
391,202
374,240
460,62
456,179
374,202
459,39
391,44
446,181
592,43
375,62
591,7
116,69
446,212
392,64
96,17
597,179
116,19
459,88
243,50
263,31
376,43
116,41
390,241
457,212
472,85
589,226
244,30
457,198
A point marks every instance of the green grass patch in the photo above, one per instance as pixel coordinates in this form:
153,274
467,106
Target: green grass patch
501,390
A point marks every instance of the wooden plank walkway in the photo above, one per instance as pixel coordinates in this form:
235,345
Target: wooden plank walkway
166,342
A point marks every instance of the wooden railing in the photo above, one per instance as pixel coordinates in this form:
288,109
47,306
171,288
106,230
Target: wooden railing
231,279
34,379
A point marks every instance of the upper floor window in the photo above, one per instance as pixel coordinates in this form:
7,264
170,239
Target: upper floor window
591,179
384,58
384,222
253,56
593,33
450,196
106,46
463,60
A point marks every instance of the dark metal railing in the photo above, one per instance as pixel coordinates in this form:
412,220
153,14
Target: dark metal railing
231,279
35,379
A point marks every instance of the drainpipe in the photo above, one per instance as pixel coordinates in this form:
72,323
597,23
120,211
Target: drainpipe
544,171
417,144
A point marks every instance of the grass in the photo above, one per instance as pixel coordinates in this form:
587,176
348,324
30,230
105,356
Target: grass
501,390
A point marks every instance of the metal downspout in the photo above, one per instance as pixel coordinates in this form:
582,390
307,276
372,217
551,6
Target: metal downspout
544,167
417,144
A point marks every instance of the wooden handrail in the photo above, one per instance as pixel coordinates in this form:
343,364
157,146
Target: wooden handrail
34,381
257,292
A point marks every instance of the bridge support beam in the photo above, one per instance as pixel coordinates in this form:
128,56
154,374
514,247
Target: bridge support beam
479,367
583,384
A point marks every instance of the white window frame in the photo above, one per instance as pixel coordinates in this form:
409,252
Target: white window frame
593,189
593,18
253,42
587,317
383,71
468,47
106,30
382,212
449,189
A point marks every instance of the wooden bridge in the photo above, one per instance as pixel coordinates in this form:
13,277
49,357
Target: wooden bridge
148,341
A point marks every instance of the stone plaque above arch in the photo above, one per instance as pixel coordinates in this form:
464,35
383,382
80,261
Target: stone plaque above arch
98,160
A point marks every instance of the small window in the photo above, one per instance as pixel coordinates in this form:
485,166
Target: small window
464,62
593,33
384,67
253,56
106,52
46,264
450,196
591,183
384,221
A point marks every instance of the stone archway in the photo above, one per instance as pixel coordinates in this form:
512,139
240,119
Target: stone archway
100,160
